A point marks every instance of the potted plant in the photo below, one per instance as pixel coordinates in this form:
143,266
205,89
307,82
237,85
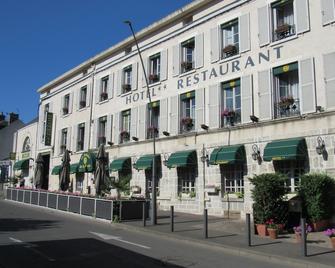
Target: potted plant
192,194
229,115
187,65
126,88
272,229
286,102
331,234
125,136
317,192
229,50
187,122
298,231
103,95
282,29
268,194
153,78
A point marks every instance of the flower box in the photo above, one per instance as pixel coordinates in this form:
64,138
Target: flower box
187,65
125,136
229,50
126,88
286,102
153,78
65,110
187,122
103,96
284,28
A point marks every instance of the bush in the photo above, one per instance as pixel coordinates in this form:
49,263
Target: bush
317,192
268,196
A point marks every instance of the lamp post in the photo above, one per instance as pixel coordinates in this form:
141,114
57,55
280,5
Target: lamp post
204,159
154,197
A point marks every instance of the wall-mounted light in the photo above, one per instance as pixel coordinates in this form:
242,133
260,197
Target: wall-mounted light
321,147
256,154
166,157
204,127
254,118
134,138
165,133
204,156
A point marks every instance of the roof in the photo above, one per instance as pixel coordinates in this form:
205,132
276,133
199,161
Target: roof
126,42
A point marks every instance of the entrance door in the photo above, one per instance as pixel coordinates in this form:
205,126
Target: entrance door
46,165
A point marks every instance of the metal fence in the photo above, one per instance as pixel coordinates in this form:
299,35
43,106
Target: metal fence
95,207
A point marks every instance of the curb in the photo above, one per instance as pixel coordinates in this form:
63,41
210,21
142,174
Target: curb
226,248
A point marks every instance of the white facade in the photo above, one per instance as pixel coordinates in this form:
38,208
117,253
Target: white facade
248,57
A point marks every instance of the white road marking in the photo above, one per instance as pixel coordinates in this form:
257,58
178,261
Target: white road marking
117,238
31,247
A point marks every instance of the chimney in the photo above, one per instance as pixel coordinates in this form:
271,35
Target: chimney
3,122
13,117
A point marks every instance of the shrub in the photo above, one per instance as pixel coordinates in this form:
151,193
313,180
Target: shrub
317,192
268,195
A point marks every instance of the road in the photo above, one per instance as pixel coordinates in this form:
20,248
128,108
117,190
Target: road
38,237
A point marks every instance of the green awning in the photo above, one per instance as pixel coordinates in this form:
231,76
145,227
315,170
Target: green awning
22,164
291,149
281,3
285,68
231,84
145,162
56,170
87,162
182,159
228,155
74,168
187,95
154,104
122,163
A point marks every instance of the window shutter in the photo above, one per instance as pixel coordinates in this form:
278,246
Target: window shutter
163,116
263,26
307,86
147,70
142,122
215,53
109,128
76,99
69,138
133,122
199,108
329,69
97,90
59,142
214,106
111,86
95,133
199,50
86,135
264,93
116,128
246,98
164,65
74,138
71,102
134,77
301,7
118,82
328,11
176,60
174,122
244,33
88,95
61,105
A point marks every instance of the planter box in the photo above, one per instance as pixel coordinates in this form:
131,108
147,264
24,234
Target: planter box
9,194
26,197
104,209
74,204
34,197
20,196
261,229
43,200
131,210
87,206
52,201
320,225
14,194
62,202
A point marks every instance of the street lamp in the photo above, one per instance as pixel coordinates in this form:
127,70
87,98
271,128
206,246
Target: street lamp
204,160
154,196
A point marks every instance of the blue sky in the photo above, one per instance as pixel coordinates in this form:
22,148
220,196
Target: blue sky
42,39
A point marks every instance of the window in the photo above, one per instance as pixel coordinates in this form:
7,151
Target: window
102,130
187,112
186,180
125,126
231,103
153,120
282,19
104,88
26,145
66,104
154,68
63,142
286,91
81,137
230,39
82,97
127,73
187,52
293,169
233,178
79,182
148,176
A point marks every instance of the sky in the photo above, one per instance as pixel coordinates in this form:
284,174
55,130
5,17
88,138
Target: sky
42,39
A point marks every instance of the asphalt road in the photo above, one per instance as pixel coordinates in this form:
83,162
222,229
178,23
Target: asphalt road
37,237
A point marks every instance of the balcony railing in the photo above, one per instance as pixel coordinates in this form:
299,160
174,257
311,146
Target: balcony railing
286,110
283,31
187,66
229,51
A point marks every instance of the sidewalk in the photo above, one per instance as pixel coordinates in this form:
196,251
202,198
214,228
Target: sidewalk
230,235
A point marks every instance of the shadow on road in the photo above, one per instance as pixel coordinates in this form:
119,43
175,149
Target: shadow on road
21,224
85,252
